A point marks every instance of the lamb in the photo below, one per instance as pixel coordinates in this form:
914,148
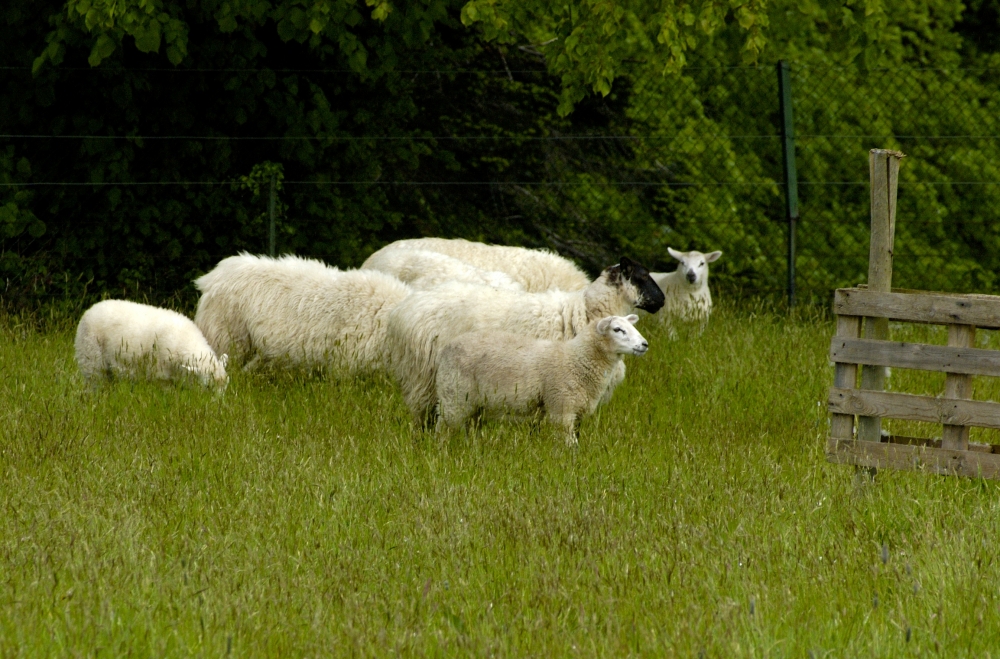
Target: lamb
429,319
538,270
423,269
686,289
131,340
489,371
294,312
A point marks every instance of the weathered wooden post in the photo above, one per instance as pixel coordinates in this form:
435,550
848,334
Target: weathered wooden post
884,171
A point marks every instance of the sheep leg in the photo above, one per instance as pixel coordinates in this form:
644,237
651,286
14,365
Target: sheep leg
253,364
451,416
441,429
568,421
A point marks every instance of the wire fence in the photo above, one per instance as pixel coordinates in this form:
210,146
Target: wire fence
690,162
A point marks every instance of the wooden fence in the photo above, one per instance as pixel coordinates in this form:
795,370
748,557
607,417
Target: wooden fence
862,340
952,454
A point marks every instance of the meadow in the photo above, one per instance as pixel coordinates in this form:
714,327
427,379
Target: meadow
304,516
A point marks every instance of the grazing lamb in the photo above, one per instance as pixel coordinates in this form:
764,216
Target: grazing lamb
423,269
492,371
429,319
538,270
133,340
686,289
296,312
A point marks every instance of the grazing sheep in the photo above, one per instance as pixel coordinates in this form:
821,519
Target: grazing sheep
296,312
428,319
538,270
131,340
686,289
492,371
423,269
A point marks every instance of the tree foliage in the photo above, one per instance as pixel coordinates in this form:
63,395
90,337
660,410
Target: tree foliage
595,129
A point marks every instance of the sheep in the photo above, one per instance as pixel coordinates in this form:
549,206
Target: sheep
686,289
297,313
428,319
538,270
423,269
131,340
490,371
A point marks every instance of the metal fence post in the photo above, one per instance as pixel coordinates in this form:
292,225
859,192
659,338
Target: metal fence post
791,178
270,228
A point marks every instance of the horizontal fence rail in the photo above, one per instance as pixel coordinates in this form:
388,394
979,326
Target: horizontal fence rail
982,414
939,309
946,359
945,462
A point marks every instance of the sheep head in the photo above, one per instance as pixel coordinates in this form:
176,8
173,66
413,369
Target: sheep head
633,278
693,266
625,339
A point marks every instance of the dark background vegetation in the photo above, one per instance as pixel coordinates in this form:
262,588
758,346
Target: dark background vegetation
128,170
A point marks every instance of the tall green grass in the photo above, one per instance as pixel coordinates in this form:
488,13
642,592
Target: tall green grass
304,516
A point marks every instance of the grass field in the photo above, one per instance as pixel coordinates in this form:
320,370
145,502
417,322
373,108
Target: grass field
304,516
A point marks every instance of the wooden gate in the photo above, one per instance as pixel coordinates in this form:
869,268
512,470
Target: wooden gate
862,343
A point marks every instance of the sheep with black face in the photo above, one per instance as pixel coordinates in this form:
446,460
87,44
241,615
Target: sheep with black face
426,320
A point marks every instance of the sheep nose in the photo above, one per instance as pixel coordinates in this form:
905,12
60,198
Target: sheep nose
691,277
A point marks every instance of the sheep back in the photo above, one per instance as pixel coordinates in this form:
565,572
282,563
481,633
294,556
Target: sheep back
423,269
297,312
538,270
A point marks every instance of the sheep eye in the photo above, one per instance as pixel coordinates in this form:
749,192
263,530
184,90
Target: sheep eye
702,263
618,329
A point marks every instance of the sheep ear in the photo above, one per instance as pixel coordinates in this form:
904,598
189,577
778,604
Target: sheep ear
712,256
603,324
627,265
677,255
632,318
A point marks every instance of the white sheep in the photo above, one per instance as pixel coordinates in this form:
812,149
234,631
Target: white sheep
296,312
131,340
428,319
500,371
423,269
687,297
538,270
